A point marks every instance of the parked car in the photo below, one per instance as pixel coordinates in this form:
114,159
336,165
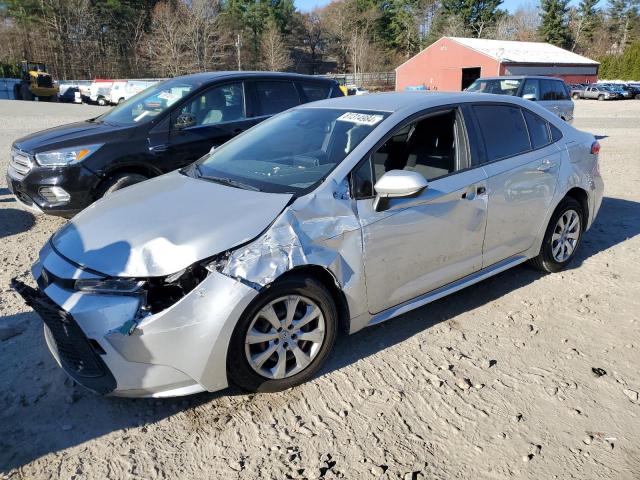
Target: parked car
618,88
550,92
353,90
62,170
600,92
243,267
633,90
70,95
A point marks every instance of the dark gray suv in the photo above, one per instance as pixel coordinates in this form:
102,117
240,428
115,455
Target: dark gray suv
550,92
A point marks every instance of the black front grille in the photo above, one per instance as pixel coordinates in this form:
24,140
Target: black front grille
45,81
74,350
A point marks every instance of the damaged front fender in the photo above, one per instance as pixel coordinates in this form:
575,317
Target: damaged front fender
318,229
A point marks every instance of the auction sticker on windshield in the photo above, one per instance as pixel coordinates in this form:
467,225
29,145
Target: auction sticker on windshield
360,118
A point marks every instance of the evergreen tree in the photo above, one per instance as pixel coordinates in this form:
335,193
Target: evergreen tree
554,27
478,16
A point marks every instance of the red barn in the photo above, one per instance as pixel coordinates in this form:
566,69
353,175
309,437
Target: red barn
454,63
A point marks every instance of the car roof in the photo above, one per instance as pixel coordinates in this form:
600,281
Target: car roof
205,77
406,101
520,77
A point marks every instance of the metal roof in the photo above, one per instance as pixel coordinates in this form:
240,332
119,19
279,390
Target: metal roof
508,51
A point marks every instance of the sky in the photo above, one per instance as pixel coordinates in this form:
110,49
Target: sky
511,5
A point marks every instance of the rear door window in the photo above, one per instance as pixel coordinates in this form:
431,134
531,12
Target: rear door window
275,96
503,130
560,90
547,90
315,91
538,131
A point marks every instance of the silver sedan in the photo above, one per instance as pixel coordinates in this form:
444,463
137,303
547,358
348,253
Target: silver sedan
244,267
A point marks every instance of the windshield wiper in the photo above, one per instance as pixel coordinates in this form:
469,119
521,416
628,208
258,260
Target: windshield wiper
227,181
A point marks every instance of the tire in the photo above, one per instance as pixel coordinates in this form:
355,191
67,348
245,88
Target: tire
601,97
576,96
102,102
546,260
120,100
120,181
25,93
284,343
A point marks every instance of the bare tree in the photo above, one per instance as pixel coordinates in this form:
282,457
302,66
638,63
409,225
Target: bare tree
275,54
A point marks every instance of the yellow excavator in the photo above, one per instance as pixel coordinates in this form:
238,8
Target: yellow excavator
35,83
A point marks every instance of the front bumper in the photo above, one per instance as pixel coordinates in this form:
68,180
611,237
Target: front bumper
77,180
178,351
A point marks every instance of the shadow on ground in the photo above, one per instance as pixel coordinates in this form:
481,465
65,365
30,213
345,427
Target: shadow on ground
26,414
14,221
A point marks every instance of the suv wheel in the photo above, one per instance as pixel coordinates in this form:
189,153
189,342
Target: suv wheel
120,181
576,96
601,97
562,238
284,336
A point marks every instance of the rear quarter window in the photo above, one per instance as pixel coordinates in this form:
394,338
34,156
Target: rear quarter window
503,130
556,134
315,91
538,131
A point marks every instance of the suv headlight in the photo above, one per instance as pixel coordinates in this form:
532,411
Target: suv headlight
66,156
110,285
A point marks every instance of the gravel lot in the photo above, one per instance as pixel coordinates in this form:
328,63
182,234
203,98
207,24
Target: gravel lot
493,382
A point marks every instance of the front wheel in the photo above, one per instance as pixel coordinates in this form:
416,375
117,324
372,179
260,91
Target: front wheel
284,336
576,96
119,182
562,238
601,97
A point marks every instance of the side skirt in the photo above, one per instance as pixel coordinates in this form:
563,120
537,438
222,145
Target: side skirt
447,289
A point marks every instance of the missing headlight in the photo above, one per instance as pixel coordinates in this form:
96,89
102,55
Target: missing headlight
162,292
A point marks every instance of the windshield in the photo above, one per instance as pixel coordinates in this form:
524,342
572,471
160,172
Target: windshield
289,153
148,104
498,86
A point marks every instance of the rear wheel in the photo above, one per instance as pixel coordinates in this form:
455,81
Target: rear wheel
283,337
102,102
25,93
562,238
120,181
576,96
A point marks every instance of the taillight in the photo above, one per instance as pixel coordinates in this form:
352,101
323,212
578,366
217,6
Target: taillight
595,148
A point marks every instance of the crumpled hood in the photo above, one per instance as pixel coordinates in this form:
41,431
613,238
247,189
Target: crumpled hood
163,225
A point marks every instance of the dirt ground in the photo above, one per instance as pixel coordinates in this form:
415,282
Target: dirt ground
496,381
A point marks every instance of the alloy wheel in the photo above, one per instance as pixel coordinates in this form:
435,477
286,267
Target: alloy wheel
285,336
566,235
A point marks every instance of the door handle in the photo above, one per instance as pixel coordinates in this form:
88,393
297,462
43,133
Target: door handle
546,165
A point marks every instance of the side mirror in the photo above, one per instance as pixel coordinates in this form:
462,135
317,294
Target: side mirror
185,120
530,96
398,183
